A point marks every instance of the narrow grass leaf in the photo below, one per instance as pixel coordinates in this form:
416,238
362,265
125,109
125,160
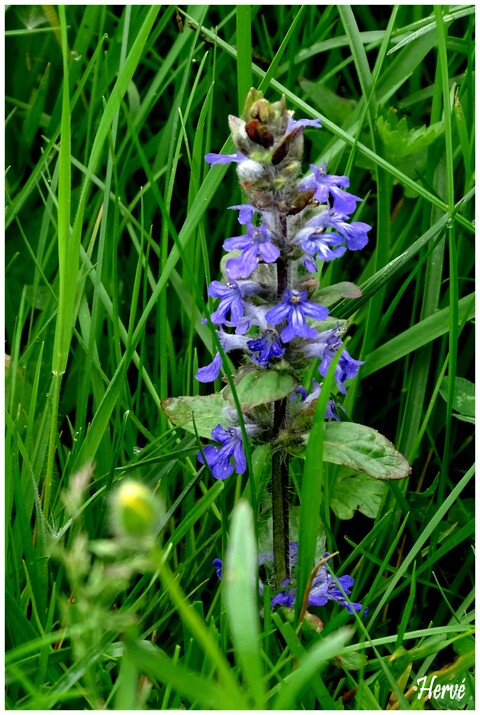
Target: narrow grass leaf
244,56
152,661
418,335
308,666
127,683
240,585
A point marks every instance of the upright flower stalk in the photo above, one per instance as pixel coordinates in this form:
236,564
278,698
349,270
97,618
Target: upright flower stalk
268,306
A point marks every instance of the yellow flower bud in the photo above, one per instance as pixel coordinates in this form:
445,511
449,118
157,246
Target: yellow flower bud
136,510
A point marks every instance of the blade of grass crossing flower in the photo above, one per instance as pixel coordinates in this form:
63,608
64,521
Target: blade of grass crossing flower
312,489
394,268
240,584
244,52
179,248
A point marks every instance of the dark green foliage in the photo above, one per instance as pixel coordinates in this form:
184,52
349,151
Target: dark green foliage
113,224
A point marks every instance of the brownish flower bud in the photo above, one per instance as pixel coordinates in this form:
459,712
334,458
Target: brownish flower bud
286,144
301,202
259,133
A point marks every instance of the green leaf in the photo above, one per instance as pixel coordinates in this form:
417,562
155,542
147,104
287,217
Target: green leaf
359,447
356,492
207,410
152,661
240,587
337,108
407,148
257,387
331,294
418,335
351,661
401,142
363,449
308,667
463,397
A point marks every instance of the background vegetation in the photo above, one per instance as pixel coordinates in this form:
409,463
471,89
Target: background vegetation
114,229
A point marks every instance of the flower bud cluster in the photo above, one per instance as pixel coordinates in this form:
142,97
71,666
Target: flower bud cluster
267,306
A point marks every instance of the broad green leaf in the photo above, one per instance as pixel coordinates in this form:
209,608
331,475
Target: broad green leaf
207,411
463,398
240,588
359,447
363,449
331,294
257,387
353,492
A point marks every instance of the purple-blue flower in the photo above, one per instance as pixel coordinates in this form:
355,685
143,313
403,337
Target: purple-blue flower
228,458
324,587
307,399
354,233
324,347
229,342
326,185
256,244
294,123
313,239
217,563
347,367
294,308
214,159
245,212
210,372
267,346
231,301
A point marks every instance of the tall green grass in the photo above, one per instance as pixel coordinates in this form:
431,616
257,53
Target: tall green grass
114,226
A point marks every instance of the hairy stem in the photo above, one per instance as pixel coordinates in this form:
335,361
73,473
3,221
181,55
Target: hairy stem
280,502
280,458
